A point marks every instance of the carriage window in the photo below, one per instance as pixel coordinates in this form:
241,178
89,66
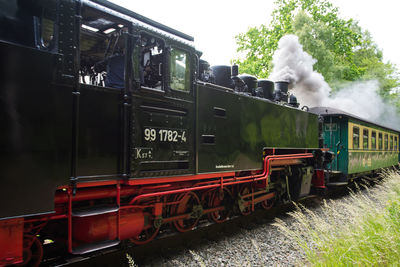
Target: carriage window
365,138
391,143
386,142
179,66
380,141
395,143
356,138
373,140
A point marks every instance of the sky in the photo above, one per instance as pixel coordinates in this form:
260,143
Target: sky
215,23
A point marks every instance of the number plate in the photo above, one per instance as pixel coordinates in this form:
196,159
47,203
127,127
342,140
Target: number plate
164,135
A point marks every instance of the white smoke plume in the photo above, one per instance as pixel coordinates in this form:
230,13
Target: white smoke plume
294,65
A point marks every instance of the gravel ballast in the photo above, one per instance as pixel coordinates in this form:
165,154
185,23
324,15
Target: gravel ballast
249,244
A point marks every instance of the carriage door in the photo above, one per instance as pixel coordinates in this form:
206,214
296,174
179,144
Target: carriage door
163,109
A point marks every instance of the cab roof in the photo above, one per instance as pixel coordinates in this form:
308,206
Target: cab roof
143,19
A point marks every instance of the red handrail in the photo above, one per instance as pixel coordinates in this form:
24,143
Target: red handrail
236,180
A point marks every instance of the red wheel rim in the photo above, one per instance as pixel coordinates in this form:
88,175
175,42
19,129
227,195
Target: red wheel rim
245,190
216,201
268,203
145,236
32,252
149,232
186,203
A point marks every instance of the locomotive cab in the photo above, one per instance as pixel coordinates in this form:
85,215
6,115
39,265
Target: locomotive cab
151,115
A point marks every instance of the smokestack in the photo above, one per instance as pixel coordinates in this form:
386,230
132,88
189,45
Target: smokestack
267,88
251,83
281,91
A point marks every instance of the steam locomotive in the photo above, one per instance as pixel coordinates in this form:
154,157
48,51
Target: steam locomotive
114,129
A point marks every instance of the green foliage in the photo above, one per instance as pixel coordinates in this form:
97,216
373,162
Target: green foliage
369,60
344,52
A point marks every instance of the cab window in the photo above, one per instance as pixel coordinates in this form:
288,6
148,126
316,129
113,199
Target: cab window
151,62
179,66
395,143
356,138
365,138
47,33
30,23
102,50
373,140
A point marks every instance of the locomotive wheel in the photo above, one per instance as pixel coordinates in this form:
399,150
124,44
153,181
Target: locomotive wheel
151,229
147,235
268,203
188,203
245,190
32,252
218,198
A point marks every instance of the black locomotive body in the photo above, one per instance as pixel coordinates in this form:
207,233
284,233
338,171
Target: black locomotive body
233,128
113,128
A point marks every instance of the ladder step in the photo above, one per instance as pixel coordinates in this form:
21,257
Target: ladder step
94,211
87,248
337,184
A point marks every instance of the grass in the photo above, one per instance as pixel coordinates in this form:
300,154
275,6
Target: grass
130,260
360,230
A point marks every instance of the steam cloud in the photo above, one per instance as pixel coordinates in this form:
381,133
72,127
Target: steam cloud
295,66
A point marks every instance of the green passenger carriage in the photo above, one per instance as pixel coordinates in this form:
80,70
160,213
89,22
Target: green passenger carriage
361,147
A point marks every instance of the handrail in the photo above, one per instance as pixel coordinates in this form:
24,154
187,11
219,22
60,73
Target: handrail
237,180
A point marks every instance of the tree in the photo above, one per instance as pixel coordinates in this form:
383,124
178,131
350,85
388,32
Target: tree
369,59
344,52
